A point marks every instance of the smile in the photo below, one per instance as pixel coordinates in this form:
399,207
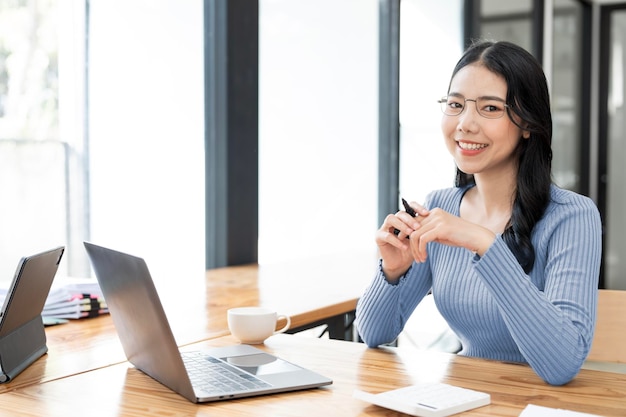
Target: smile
471,146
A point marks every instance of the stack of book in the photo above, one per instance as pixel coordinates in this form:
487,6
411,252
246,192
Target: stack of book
70,298
74,298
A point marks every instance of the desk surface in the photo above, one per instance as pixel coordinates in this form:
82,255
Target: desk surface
307,291
122,390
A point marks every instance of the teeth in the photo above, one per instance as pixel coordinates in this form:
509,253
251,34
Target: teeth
471,146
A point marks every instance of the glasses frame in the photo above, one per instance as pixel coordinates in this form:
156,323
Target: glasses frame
443,100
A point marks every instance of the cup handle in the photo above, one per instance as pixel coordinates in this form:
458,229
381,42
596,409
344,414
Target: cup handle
286,326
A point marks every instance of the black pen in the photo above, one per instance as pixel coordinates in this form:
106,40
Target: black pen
409,210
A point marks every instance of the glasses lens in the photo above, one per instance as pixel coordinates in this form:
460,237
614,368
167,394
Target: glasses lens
452,106
490,108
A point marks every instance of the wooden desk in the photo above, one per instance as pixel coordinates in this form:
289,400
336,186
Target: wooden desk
310,292
122,390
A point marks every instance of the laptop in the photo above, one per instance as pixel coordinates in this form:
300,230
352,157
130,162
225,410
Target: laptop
22,333
209,375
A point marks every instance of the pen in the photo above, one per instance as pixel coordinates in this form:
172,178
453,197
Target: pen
409,210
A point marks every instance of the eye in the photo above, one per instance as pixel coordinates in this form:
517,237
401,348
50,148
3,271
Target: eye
454,104
492,107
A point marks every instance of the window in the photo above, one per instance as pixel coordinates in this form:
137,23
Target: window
317,127
121,162
146,132
614,147
41,141
569,97
426,30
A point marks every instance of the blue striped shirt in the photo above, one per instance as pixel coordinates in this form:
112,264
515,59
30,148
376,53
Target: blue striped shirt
545,318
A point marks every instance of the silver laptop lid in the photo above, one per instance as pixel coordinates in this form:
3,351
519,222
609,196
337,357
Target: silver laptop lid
139,318
149,343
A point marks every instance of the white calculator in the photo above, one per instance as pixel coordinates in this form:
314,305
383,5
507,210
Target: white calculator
427,400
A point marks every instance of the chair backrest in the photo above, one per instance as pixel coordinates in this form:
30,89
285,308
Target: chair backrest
609,341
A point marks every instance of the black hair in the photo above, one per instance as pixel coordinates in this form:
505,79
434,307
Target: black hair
527,97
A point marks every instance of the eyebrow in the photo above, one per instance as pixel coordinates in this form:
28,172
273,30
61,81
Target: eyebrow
459,95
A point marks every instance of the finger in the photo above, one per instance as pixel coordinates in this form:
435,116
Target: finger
419,209
414,245
397,224
422,245
389,238
412,223
419,240
427,236
419,255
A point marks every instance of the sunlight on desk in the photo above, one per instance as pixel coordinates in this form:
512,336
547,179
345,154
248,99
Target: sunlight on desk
122,390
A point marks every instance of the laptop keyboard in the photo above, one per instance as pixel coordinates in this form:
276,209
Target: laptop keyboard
215,377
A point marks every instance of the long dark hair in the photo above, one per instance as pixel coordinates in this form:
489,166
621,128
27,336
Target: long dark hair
529,99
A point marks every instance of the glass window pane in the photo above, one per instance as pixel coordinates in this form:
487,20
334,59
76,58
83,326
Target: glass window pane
37,158
146,132
507,20
615,262
425,69
566,83
318,131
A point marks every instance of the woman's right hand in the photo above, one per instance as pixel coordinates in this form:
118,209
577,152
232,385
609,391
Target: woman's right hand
394,248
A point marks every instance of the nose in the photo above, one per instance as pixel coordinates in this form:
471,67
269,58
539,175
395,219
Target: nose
467,120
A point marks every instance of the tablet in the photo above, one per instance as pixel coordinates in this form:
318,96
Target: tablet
22,334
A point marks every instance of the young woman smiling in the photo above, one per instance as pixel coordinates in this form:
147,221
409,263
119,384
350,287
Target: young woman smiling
512,260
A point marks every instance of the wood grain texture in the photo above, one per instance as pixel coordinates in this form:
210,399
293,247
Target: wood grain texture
609,341
123,390
196,309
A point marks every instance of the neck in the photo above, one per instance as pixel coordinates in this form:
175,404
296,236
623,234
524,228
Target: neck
495,194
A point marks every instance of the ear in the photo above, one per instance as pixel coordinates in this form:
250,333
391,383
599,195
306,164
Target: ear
525,134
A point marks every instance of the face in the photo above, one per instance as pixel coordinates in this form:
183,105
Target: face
479,145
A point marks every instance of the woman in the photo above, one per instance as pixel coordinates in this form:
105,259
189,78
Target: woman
511,259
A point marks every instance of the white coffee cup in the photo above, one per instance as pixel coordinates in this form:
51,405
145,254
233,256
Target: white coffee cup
252,325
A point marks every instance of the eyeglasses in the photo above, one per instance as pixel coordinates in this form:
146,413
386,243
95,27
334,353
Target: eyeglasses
488,107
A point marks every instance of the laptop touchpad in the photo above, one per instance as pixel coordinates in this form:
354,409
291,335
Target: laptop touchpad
261,364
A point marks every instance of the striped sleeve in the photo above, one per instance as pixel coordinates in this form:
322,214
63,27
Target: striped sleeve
551,319
384,308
